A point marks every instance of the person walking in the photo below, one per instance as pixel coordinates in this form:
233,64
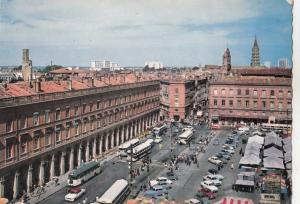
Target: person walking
232,166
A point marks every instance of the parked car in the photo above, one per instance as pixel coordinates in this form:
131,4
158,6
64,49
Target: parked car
171,176
227,157
212,171
204,192
155,191
219,155
215,160
192,201
74,193
213,177
210,186
230,151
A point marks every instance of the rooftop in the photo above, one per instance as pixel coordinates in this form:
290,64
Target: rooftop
252,80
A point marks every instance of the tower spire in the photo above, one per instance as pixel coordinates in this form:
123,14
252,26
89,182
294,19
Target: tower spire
255,59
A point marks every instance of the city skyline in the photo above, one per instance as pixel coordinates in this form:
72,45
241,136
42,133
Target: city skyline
186,34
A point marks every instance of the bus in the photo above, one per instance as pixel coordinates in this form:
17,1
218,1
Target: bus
186,136
123,148
271,126
139,151
116,194
160,130
83,173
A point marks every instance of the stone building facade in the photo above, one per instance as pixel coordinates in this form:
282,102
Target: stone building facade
252,98
43,135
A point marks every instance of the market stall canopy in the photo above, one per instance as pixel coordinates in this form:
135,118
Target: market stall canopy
257,139
288,157
274,152
273,163
287,140
234,200
250,160
287,148
273,140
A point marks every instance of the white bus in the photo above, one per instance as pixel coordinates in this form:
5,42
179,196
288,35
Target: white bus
123,148
186,136
158,131
270,126
139,151
83,173
116,194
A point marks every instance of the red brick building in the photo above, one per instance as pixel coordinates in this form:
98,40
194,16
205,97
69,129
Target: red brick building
251,95
49,127
181,98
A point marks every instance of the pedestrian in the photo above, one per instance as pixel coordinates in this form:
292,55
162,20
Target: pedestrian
241,150
219,167
232,166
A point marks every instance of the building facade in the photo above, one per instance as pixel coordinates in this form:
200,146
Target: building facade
255,99
43,135
181,99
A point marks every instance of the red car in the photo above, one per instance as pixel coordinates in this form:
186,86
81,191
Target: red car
204,192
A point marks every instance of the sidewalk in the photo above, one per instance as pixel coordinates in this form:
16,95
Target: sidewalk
51,187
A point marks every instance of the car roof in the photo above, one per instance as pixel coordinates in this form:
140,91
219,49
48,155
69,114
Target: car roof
161,178
74,190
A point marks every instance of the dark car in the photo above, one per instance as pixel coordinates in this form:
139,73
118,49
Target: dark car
227,157
219,155
212,171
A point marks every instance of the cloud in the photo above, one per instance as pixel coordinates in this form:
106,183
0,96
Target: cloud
126,24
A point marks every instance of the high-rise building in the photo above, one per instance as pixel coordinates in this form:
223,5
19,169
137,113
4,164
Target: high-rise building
267,64
283,63
26,66
154,64
227,60
255,60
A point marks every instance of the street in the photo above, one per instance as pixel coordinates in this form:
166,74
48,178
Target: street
189,176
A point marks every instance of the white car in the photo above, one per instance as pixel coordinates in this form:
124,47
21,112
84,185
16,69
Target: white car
74,193
216,181
210,186
213,177
158,140
160,181
230,151
215,160
192,201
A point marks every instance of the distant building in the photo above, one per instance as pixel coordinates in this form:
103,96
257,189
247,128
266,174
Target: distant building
267,64
154,64
105,65
227,60
26,66
255,60
283,63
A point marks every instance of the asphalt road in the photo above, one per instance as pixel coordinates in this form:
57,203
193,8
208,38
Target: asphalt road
111,172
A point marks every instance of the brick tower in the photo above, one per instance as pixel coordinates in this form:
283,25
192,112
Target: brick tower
255,60
26,66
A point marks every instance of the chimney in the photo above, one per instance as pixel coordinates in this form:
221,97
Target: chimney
69,83
37,86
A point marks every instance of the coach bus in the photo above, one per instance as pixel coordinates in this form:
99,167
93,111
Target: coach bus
83,173
186,136
116,194
160,130
139,151
123,148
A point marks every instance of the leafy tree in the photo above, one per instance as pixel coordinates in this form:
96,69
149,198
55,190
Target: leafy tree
51,68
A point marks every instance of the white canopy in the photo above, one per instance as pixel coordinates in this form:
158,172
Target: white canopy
273,163
250,160
273,140
256,139
272,151
287,148
287,157
287,140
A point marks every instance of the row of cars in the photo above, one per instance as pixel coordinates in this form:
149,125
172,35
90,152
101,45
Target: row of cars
213,180
158,188
208,188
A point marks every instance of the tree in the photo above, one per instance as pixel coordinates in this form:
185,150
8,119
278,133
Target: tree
50,68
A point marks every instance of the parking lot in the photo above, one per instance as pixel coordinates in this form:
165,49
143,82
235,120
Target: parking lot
191,176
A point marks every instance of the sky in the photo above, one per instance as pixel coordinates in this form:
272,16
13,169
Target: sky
130,32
